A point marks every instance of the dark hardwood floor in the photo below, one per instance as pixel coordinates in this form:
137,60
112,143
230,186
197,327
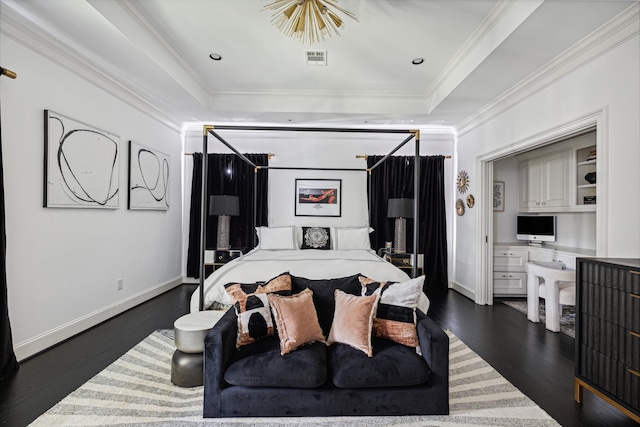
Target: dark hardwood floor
538,362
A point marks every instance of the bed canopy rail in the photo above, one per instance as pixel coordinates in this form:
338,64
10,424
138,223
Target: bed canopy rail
211,130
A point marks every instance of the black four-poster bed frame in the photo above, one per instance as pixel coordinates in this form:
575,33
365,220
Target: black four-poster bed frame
209,130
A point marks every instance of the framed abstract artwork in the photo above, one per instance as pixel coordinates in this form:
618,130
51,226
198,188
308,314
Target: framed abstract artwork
498,196
318,197
148,178
81,164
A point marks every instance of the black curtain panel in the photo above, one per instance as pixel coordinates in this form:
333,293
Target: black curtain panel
8,362
394,179
227,175
433,223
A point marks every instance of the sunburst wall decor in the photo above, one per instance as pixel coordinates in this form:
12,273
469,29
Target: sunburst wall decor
308,20
463,181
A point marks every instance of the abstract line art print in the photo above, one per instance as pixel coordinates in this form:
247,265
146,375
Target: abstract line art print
148,178
81,164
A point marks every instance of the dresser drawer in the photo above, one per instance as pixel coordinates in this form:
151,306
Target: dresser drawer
632,312
611,375
614,304
622,278
510,260
632,351
509,283
611,340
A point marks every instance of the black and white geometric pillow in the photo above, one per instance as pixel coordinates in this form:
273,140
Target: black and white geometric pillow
253,309
395,317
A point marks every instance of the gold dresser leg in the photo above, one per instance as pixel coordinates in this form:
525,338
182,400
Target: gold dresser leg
577,390
579,387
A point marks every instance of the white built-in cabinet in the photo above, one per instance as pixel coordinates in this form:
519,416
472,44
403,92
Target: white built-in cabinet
509,260
509,277
553,179
545,182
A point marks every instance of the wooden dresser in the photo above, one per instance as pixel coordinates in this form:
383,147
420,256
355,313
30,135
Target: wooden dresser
608,331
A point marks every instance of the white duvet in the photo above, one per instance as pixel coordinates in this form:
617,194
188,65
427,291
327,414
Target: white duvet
262,265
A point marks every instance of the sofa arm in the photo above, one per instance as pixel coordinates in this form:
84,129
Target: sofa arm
219,348
434,344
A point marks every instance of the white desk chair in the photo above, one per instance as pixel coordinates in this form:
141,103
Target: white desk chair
558,288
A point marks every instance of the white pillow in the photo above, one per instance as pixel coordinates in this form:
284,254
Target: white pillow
348,239
275,238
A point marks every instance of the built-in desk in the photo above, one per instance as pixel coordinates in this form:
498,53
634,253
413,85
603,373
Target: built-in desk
509,259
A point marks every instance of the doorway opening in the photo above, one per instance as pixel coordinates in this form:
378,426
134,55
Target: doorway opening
595,122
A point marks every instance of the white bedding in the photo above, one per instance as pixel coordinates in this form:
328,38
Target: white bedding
261,265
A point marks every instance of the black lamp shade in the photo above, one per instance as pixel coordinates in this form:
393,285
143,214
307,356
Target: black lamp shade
224,205
400,208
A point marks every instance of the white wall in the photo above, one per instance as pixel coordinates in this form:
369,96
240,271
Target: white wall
608,83
301,149
63,264
504,223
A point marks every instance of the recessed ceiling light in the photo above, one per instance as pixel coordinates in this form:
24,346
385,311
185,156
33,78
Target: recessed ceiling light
417,61
215,57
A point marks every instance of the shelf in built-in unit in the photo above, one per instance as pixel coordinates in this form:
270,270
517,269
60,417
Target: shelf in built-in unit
586,191
588,162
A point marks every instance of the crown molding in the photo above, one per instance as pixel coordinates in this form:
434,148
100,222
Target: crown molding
605,39
171,51
134,25
505,18
20,28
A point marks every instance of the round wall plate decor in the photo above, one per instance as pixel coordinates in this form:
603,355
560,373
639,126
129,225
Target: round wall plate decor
463,181
459,207
471,201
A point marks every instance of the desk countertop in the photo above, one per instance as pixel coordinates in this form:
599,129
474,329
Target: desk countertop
580,252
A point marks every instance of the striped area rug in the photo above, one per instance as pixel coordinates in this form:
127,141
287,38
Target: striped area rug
137,390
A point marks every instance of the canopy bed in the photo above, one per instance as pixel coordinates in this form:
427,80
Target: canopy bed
321,284
244,268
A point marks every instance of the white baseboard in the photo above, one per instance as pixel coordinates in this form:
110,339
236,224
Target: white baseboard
54,336
469,293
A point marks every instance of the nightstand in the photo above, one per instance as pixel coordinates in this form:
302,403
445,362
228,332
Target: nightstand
216,258
404,262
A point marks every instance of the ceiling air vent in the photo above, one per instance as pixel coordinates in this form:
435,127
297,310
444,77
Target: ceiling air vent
316,57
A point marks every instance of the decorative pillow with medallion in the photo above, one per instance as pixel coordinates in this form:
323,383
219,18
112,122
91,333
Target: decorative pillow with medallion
253,308
395,317
316,238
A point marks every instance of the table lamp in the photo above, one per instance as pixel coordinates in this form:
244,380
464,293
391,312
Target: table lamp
224,207
400,209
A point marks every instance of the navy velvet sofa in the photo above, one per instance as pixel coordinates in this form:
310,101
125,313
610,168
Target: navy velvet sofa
316,380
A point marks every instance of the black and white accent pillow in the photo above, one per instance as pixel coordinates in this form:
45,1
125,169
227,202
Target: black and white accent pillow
252,307
316,238
395,318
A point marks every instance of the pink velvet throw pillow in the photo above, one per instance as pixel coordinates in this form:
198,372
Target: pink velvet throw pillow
296,319
353,320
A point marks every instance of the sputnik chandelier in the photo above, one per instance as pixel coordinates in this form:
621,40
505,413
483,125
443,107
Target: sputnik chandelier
307,20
